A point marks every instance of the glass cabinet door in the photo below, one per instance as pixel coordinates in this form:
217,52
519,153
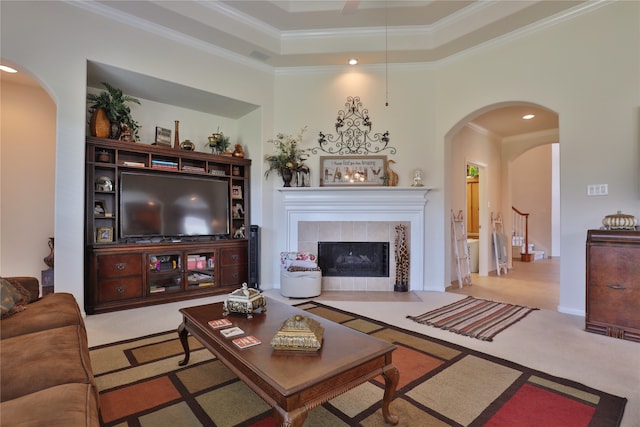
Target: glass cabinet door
164,273
200,270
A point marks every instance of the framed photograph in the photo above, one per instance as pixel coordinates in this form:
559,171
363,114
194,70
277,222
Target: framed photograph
100,208
163,136
236,192
104,234
344,171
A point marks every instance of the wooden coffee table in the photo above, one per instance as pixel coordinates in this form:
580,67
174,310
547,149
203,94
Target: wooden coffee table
294,382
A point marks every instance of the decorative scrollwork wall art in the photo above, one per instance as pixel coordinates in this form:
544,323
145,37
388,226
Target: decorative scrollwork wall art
353,127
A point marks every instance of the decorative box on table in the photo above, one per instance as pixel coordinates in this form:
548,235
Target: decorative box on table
299,333
246,301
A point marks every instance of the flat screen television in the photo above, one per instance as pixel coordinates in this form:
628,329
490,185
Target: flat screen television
159,205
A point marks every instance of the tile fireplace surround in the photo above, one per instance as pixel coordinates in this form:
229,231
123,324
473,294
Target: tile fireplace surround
357,214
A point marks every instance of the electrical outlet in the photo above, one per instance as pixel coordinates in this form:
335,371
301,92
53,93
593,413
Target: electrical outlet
597,189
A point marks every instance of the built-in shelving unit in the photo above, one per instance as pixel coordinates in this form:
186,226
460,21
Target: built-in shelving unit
125,272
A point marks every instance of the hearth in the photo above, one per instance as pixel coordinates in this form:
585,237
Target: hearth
354,259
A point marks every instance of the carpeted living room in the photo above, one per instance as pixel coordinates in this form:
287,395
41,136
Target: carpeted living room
545,352
115,334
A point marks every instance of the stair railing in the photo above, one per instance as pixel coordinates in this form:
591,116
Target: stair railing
520,224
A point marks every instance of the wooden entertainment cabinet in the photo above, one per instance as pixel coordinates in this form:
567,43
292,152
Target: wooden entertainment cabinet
613,283
123,273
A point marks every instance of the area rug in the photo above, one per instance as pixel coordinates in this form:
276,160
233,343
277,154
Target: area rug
473,317
441,384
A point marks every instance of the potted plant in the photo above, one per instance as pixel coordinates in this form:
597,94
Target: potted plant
288,156
112,106
218,143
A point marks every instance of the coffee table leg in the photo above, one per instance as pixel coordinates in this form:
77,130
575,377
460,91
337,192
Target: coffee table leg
184,339
391,377
294,418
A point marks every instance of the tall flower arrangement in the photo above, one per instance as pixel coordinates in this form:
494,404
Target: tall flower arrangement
288,157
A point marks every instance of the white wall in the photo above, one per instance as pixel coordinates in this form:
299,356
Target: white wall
531,180
471,144
27,178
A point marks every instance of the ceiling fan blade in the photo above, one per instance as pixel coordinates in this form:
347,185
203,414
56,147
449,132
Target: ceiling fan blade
350,6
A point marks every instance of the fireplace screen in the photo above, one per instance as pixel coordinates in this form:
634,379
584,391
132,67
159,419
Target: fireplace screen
354,259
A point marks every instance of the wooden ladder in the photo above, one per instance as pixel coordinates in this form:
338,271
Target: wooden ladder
499,244
460,248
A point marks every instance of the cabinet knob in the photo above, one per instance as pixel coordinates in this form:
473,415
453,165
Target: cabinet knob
121,289
235,257
617,287
121,266
235,275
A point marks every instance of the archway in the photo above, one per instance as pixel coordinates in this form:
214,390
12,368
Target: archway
27,172
493,136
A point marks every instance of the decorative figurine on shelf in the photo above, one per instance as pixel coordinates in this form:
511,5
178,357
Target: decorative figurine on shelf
417,178
393,177
239,233
238,151
238,210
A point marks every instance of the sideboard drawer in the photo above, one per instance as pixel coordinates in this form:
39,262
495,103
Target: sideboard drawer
233,256
234,276
119,289
119,265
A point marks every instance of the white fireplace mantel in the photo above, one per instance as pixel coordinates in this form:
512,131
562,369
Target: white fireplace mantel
368,204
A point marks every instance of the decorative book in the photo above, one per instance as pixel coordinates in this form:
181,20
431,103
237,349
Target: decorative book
220,323
232,332
248,341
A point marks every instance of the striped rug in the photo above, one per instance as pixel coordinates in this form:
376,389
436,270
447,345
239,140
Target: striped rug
473,317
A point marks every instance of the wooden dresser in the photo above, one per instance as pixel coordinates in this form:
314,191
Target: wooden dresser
613,283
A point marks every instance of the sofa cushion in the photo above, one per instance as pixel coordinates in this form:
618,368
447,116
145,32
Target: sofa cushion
52,311
40,360
60,406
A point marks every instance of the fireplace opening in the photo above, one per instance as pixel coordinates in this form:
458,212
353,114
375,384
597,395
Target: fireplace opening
354,259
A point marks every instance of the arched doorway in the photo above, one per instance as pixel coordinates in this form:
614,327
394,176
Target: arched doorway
28,121
494,137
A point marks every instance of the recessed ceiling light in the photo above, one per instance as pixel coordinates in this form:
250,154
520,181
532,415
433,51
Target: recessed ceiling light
353,61
8,69
528,116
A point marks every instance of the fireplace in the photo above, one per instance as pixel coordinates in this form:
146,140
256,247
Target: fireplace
354,259
353,214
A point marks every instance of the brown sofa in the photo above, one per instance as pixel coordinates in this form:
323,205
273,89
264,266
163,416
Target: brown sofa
45,370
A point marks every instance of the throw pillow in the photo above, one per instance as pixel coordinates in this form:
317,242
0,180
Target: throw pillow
298,259
11,300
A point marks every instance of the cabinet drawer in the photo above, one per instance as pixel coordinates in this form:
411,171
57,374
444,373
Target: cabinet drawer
119,289
233,256
613,286
234,276
119,265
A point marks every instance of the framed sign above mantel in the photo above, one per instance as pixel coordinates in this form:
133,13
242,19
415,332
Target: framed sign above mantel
354,171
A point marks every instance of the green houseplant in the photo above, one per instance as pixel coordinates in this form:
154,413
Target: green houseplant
288,157
112,105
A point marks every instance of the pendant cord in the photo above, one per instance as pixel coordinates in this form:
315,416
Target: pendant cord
386,57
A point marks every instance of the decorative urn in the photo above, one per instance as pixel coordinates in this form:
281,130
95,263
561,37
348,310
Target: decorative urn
246,301
619,221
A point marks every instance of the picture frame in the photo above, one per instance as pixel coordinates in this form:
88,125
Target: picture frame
352,171
100,209
104,234
236,192
163,136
